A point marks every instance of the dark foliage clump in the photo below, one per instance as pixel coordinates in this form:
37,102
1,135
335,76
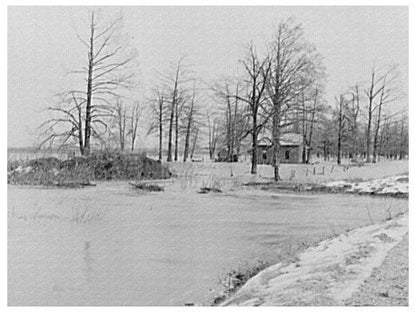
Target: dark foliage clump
80,170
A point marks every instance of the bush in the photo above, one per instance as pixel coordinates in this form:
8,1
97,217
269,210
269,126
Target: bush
80,170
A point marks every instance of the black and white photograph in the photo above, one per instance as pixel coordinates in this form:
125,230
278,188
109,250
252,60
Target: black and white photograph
206,155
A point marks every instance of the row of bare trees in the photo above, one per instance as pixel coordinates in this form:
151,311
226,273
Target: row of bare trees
362,112
281,89
176,105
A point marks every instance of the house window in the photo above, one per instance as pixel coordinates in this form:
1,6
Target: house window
287,155
264,155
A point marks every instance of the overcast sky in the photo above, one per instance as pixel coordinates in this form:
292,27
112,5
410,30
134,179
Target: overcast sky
42,47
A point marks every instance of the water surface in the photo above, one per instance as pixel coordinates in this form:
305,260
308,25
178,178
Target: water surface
161,248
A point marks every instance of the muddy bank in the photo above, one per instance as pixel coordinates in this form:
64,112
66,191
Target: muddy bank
79,171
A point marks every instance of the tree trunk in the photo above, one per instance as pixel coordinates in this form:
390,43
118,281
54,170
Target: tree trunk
229,135
87,147
303,129
210,139
340,119
339,148
176,132
370,113
160,132
276,140
194,143
80,138
188,133
254,145
375,143
186,149
309,142
172,114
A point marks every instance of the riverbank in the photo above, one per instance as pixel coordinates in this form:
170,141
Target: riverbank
395,186
332,272
381,284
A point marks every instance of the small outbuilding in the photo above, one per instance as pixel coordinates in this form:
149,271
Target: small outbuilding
291,149
223,156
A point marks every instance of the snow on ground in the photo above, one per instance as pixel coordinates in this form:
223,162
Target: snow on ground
319,172
390,185
327,274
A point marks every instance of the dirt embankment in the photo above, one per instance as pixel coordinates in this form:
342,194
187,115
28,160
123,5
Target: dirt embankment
368,266
79,171
332,272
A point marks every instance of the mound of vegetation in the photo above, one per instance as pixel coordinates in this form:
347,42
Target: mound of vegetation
149,187
80,170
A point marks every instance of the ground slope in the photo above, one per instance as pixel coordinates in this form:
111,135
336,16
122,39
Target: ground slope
327,274
388,284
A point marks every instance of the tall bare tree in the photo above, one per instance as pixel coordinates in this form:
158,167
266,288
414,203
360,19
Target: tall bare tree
136,111
342,120
121,121
292,66
257,72
189,121
158,112
374,89
233,124
174,86
213,133
389,92
106,73
353,114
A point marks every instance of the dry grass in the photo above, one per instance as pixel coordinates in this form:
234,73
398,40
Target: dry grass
79,215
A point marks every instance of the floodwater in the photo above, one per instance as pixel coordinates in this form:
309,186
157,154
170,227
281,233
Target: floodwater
110,245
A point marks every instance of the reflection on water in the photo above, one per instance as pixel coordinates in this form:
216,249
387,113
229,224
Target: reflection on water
159,249
88,269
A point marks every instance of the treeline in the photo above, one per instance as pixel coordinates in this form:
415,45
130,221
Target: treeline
282,89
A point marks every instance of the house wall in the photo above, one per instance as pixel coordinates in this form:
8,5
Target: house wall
288,154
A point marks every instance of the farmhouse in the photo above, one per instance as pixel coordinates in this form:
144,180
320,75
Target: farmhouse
291,149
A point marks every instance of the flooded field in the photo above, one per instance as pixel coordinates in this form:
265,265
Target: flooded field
110,245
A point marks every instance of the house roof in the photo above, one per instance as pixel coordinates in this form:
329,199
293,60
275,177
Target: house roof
286,139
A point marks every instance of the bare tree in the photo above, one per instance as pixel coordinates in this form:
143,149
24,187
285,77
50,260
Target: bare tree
106,74
194,140
179,108
121,120
134,122
174,89
257,72
190,120
341,122
213,134
389,92
292,65
158,111
225,97
233,125
404,136
353,114
314,112
372,92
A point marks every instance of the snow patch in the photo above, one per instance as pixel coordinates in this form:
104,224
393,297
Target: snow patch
327,274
